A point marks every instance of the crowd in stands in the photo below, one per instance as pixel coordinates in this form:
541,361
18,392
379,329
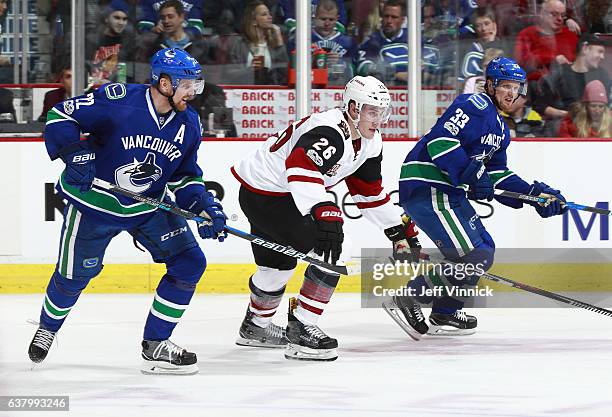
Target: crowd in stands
560,43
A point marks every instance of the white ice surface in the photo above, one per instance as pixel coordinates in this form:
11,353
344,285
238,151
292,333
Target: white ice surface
521,362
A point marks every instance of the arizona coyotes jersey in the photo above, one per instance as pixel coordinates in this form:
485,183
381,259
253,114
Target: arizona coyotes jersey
135,148
316,153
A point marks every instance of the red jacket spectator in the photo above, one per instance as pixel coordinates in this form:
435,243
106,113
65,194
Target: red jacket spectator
569,130
58,95
538,46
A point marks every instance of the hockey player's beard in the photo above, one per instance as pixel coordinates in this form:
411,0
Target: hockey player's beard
178,107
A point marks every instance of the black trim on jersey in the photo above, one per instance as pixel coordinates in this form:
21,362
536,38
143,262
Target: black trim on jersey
319,140
370,170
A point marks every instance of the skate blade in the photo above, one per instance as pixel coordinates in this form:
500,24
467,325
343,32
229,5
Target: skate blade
164,368
392,311
241,341
302,353
449,331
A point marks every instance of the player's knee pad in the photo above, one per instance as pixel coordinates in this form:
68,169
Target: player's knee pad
68,287
188,265
270,279
321,276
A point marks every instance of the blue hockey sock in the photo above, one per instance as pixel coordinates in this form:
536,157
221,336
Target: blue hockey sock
172,298
62,294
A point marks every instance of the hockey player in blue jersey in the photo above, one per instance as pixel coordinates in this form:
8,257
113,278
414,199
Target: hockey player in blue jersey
462,156
143,138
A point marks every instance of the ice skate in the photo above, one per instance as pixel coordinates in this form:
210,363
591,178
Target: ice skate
413,322
250,334
308,342
40,345
164,357
457,324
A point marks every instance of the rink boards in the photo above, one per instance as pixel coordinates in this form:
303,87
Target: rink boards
30,221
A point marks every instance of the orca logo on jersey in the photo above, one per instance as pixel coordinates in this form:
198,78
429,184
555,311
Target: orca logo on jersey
485,157
138,176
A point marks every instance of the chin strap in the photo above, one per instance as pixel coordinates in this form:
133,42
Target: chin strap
355,124
169,98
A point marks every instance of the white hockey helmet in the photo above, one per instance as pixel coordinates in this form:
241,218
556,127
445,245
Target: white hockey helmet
368,90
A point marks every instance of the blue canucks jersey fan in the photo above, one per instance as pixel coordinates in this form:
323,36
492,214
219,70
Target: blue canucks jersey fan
149,19
462,156
144,139
385,53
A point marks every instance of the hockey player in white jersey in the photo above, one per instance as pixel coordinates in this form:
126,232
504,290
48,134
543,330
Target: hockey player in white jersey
283,194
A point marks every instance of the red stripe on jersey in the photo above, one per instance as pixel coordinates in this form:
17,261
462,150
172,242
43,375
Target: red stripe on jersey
364,188
303,178
299,159
310,308
372,204
253,189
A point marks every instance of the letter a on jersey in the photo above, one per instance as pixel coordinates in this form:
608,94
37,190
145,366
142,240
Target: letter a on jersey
180,134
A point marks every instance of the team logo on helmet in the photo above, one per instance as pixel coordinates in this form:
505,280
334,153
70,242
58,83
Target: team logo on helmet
170,53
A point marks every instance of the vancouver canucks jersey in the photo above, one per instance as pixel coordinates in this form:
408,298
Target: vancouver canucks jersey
336,43
379,49
135,148
149,15
470,128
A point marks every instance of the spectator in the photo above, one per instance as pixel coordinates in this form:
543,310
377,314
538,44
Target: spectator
288,11
373,21
470,57
438,49
565,84
385,53
173,35
110,45
58,95
339,47
224,17
550,41
591,117
258,55
7,109
522,120
150,20
476,83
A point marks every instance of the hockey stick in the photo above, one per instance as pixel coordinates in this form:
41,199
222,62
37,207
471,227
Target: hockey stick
535,290
171,208
544,200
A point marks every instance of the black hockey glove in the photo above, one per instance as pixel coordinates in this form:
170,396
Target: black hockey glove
553,207
80,169
476,176
406,245
328,235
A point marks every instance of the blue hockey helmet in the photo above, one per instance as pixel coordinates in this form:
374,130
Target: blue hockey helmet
502,68
178,65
